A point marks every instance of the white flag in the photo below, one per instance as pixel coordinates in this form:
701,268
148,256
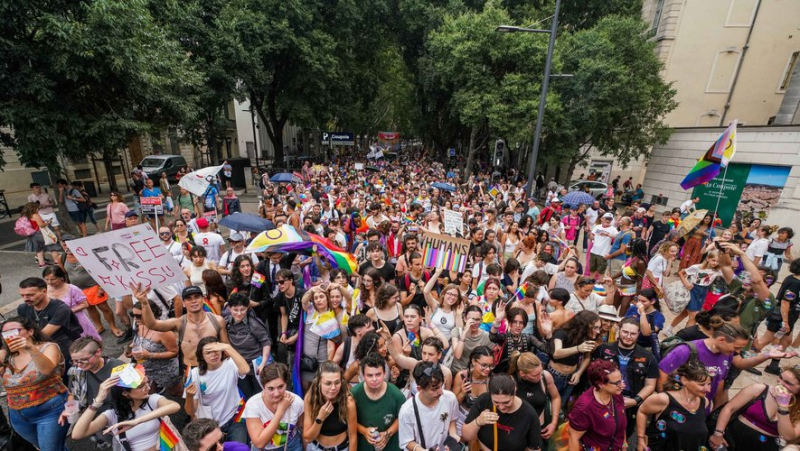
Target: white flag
197,182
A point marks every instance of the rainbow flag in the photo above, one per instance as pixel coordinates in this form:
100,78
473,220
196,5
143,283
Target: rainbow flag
599,290
520,293
258,279
290,240
413,338
239,410
207,307
716,157
167,438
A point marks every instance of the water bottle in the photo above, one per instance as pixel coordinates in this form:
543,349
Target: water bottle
375,435
780,333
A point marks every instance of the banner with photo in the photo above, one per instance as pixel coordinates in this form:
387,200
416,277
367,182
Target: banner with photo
747,189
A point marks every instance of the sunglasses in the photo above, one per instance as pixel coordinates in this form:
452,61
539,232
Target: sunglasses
618,383
281,281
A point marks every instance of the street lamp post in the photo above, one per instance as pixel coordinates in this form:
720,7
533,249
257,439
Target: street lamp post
537,133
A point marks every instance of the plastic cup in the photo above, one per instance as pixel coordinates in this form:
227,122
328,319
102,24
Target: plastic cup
72,408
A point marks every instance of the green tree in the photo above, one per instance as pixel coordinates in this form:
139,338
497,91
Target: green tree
81,78
615,101
493,78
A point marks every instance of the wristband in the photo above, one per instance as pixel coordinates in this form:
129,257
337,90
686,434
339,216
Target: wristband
638,400
783,412
718,432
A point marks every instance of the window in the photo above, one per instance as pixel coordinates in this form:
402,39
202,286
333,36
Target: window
741,13
787,75
82,174
656,18
726,63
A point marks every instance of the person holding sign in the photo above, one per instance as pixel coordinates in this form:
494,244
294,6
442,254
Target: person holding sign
151,191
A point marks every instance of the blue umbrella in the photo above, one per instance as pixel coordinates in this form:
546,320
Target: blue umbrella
246,222
285,177
444,186
575,198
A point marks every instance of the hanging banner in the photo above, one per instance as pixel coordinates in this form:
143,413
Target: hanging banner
732,185
196,182
131,255
453,223
442,251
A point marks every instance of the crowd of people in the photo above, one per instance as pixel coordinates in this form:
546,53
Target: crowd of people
553,337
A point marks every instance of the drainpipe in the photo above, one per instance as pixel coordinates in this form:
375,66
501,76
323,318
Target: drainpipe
741,64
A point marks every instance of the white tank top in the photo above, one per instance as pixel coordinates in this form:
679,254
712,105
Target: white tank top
445,322
197,275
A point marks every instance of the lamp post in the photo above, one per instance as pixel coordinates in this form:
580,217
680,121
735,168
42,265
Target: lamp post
537,133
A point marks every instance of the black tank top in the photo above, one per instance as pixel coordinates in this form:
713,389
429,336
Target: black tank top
533,393
393,325
677,428
333,426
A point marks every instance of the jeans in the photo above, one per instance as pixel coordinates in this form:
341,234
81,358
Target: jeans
295,444
39,424
563,386
236,432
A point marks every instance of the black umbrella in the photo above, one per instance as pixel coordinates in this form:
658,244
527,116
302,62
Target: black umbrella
246,222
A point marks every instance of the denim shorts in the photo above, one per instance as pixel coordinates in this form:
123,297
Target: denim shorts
78,217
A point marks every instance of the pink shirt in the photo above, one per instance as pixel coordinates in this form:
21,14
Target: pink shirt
116,211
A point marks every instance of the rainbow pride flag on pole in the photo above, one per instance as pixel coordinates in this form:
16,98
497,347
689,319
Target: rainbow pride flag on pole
520,293
717,157
167,438
237,418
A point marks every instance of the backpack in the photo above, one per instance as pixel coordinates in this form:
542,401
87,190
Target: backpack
426,276
24,227
671,343
83,205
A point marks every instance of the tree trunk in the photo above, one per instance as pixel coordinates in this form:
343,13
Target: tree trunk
65,222
473,136
108,164
570,169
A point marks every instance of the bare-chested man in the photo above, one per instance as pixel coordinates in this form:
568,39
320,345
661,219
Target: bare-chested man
191,327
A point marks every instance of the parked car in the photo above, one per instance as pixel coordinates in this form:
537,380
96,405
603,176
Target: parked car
597,189
154,165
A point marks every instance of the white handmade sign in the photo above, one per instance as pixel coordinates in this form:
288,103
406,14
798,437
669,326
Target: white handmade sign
131,255
453,222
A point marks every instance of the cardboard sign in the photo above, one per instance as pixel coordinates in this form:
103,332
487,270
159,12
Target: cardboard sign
453,222
211,216
151,205
442,251
359,166
132,255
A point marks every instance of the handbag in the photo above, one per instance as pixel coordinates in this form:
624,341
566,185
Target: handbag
203,411
311,364
677,297
49,236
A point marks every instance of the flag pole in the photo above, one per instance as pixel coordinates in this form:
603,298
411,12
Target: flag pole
719,195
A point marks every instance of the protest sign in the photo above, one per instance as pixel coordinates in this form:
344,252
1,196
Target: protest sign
211,216
132,255
151,205
453,223
442,251
359,166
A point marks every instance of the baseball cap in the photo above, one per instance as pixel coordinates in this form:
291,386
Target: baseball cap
191,291
555,199
202,223
608,216
608,312
131,214
236,236
641,210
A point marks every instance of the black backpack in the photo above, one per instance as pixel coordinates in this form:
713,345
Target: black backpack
671,343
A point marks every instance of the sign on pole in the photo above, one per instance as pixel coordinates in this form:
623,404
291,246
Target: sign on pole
151,205
442,251
131,255
453,222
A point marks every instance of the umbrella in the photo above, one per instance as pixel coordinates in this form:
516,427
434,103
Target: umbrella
692,220
444,186
575,198
318,168
246,222
285,177
373,168
288,239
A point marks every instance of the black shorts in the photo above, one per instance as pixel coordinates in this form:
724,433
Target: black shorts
774,322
